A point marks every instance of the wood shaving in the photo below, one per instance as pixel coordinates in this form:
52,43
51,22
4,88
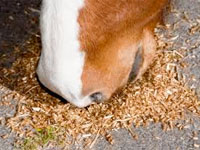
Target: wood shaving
159,96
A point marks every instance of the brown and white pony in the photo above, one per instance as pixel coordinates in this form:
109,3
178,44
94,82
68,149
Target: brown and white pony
90,48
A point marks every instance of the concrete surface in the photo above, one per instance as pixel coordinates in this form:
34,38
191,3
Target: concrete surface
151,138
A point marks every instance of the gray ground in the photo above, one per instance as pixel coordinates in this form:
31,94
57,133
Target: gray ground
185,13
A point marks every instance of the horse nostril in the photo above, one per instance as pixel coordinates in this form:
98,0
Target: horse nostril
97,97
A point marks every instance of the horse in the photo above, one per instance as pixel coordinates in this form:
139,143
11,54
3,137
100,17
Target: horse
91,48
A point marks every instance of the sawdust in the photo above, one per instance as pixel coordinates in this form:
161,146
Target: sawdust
159,96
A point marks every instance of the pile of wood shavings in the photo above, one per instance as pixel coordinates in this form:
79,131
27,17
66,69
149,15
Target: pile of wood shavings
158,97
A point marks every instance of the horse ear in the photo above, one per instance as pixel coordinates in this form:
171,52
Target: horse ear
137,64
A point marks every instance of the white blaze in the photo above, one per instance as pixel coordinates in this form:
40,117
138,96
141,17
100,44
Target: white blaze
61,63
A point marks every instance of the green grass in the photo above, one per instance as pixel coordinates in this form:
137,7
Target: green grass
41,138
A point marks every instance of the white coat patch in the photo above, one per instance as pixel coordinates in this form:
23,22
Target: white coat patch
61,62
